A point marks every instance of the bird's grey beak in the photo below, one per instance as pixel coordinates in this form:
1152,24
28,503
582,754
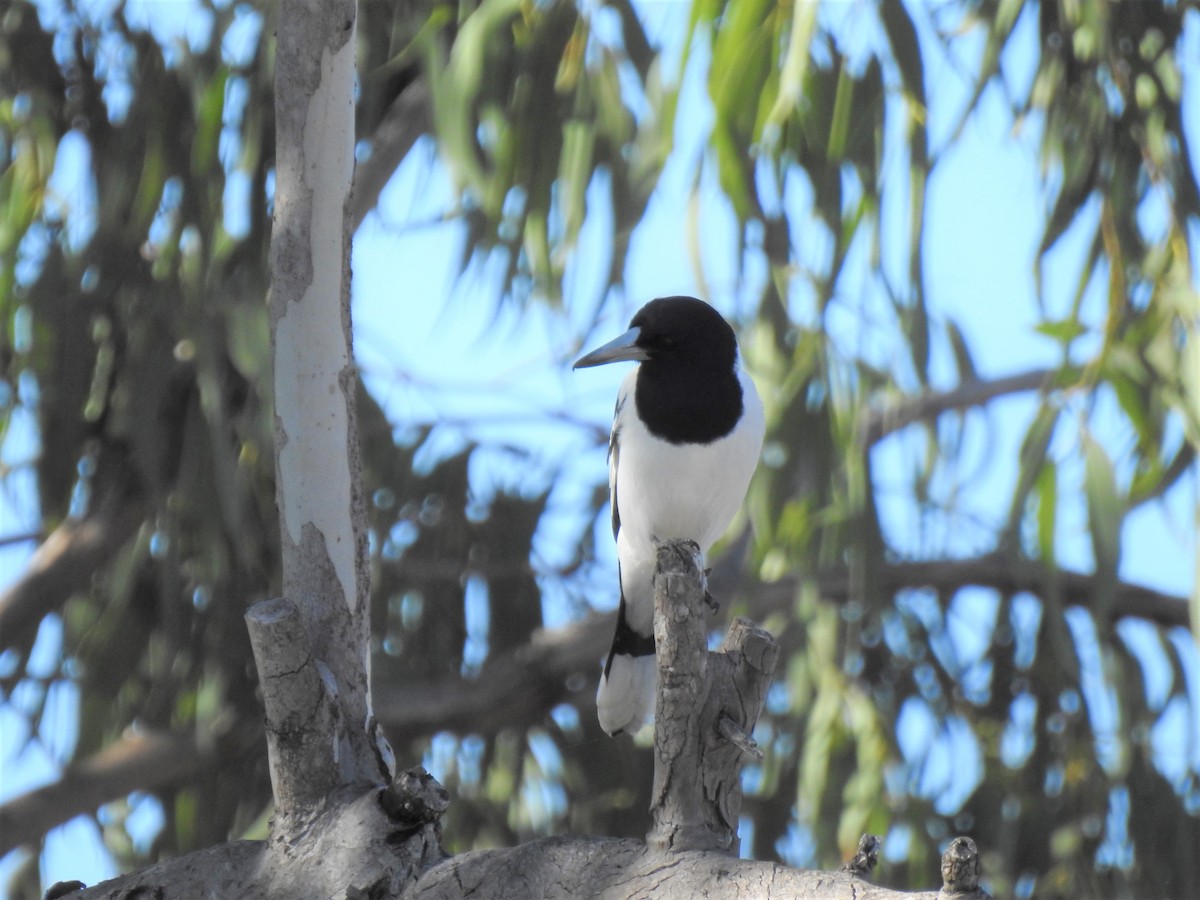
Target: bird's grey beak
616,350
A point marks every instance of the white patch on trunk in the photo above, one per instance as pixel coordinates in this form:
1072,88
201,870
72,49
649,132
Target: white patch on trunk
312,348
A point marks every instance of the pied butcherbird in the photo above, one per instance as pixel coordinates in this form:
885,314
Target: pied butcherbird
686,436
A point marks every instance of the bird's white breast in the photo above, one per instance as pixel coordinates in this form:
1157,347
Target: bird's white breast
671,491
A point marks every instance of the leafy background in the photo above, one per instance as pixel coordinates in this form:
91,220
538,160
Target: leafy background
939,535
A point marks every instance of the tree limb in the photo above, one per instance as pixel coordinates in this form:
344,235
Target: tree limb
1006,575
404,122
708,704
520,686
556,868
878,422
64,563
561,868
363,843
303,721
136,762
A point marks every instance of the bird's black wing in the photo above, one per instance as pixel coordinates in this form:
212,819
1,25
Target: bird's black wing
614,455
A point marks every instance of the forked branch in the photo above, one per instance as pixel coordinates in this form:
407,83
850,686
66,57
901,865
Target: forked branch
708,704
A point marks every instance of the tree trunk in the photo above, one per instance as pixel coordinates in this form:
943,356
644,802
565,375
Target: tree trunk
318,477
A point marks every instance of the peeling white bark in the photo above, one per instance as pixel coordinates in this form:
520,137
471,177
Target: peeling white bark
318,479
310,403
310,247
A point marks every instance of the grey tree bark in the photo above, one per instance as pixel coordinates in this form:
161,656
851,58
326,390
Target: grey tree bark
317,468
708,704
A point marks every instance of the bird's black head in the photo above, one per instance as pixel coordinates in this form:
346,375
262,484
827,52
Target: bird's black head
672,332
685,331
687,388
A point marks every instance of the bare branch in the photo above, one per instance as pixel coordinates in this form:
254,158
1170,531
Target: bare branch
615,869
680,815
351,848
521,686
708,704
1006,575
136,762
65,563
405,121
557,868
994,570
304,728
29,537
879,422
223,870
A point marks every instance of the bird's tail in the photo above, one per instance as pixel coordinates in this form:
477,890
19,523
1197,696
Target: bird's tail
625,700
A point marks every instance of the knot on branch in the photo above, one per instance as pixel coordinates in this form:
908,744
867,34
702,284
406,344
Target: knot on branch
961,871
708,704
863,862
413,800
62,889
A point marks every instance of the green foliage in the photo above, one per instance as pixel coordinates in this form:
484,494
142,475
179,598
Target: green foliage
135,338
528,108
154,436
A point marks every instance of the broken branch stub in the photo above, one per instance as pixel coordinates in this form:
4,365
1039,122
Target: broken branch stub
961,871
708,704
302,717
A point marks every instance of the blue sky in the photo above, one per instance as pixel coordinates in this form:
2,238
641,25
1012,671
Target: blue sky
438,352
